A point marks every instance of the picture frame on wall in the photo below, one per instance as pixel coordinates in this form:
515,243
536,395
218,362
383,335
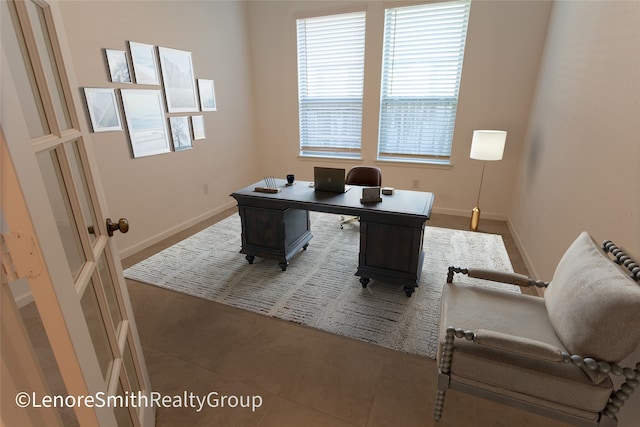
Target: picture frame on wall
103,109
179,84
145,68
180,133
118,66
207,95
146,123
197,124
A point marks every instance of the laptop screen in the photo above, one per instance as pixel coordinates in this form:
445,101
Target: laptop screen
329,179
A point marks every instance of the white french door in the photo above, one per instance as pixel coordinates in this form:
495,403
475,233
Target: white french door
56,231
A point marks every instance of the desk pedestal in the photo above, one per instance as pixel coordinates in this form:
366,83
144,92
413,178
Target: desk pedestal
274,233
391,252
391,232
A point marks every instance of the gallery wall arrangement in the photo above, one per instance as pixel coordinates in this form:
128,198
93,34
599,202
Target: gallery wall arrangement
156,124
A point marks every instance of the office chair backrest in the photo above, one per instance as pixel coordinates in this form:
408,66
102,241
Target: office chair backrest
364,175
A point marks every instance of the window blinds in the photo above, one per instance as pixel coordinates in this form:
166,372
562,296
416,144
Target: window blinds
330,81
422,63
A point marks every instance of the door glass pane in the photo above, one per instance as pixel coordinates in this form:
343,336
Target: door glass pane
84,196
130,368
93,316
62,213
37,334
22,72
123,417
109,292
46,53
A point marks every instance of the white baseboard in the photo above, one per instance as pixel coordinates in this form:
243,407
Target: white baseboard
525,255
467,213
22,293
123,253
514,232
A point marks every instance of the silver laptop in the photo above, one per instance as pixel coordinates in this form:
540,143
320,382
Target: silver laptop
329,179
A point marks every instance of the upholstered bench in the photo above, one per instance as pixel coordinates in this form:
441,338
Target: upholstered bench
553,355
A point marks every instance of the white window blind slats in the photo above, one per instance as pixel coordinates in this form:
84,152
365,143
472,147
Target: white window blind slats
329,125
330,83
422,63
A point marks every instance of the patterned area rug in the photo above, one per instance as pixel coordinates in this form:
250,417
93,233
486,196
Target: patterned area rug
319,288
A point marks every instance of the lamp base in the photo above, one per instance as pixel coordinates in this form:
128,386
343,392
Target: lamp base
475,219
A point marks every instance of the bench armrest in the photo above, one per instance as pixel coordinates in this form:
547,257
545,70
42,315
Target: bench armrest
496,276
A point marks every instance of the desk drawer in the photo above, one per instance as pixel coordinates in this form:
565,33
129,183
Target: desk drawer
273,233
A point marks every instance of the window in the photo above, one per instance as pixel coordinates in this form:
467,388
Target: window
330,80
421,67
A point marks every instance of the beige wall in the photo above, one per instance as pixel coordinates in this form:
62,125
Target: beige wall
162,194
580,163
504,46
249,49
569,98
579,168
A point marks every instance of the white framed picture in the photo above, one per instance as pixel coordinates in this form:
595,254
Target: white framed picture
103,109
146,121
180,133
179,83
145,68
118,66
197,123
207,95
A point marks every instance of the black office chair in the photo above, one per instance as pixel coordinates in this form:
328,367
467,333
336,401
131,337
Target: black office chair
367,176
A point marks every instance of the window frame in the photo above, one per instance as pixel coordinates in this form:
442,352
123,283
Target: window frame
439,147
311,142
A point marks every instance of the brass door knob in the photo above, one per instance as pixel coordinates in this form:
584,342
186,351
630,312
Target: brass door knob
122,225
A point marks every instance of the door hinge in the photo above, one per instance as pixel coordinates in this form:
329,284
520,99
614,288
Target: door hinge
20,257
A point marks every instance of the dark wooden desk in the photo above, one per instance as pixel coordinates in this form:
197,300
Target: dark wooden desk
391,232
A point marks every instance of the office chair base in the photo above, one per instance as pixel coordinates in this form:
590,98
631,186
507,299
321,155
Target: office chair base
347,221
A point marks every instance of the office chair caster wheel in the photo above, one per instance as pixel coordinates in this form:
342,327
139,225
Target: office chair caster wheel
364,281
408,291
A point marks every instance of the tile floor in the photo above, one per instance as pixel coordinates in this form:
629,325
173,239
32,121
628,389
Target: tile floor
305,377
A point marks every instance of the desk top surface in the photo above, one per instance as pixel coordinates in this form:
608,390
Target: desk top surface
300,195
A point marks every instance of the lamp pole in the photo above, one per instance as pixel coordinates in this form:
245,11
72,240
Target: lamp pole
475,212
485,145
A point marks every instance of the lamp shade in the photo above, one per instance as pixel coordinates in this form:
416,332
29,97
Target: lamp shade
488,144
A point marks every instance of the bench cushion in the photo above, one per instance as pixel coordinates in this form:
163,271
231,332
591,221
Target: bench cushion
540,382
594,304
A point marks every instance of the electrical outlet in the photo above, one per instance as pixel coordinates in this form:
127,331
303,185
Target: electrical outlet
205,188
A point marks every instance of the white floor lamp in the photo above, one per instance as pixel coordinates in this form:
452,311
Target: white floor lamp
486,145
